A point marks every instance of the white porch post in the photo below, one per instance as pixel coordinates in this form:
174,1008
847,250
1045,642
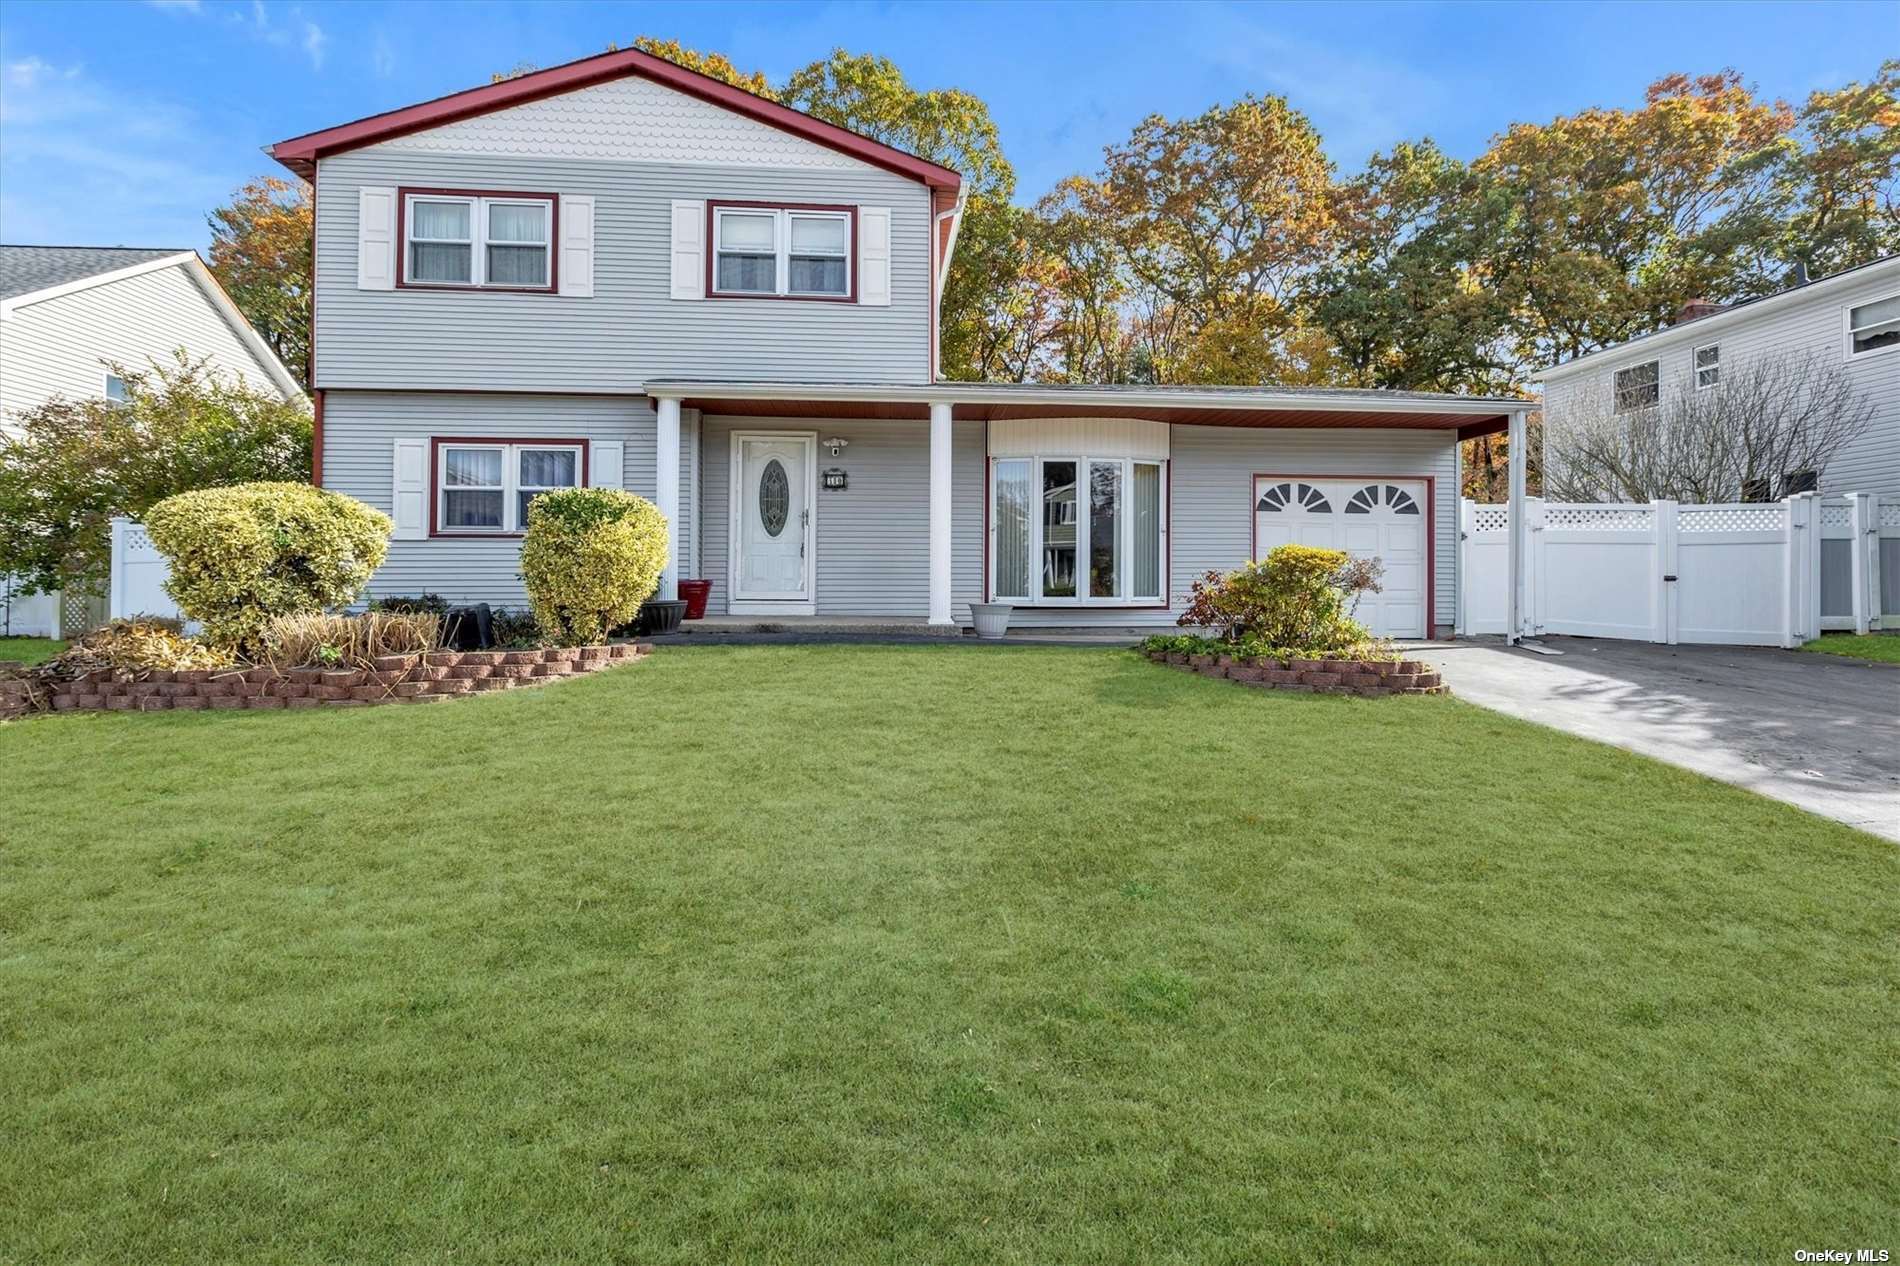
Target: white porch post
1519,535
666,491
940,512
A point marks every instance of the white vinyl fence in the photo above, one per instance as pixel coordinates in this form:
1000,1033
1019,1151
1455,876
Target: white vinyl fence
139,573
1771,574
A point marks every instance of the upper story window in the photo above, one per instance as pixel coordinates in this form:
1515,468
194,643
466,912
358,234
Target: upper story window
115,389
478,240
1638,387
1708,366
782,252
1873,327
484,487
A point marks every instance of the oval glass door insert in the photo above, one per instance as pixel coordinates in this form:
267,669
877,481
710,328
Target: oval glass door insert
775,497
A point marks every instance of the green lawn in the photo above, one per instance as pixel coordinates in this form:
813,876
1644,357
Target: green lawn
29,650
1880,646
927,954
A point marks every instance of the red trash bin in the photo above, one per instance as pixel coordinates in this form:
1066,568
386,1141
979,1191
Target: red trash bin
695,593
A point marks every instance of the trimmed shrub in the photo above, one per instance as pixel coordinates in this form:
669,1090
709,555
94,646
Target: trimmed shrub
1297,596
591,557
421,604
346,641
245,554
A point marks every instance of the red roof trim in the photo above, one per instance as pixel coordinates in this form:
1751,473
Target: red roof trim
300,153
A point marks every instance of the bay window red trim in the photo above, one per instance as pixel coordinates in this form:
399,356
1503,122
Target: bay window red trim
850,251
405,192
438,442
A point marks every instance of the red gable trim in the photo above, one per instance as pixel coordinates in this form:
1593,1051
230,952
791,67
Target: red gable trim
300,153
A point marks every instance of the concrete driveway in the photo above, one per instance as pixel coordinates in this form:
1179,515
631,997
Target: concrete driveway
1814,730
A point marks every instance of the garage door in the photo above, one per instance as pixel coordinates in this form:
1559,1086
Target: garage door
1367,519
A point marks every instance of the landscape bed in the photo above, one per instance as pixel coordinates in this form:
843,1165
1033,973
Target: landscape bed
926,953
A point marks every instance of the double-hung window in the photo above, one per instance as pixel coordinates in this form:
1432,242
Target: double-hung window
1873,327
1638,387
1082,530
484,486
782,252
497,242
1708,366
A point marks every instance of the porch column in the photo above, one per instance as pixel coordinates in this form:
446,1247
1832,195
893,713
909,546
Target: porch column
940,513
666,491
1517,539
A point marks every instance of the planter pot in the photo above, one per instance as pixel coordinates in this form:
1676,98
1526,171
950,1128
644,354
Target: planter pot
658,617
990,618
694,594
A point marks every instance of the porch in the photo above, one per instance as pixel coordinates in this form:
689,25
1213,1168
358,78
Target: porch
1084,507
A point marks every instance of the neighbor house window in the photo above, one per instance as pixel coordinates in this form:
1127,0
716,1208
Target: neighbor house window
1873,327
1638,387
1708,366
494,242
782,252
484,486
1078,530
115,389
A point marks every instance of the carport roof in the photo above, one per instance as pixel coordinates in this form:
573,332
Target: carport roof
1469,416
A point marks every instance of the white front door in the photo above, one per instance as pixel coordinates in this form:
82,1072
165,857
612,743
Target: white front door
772,511
1382,519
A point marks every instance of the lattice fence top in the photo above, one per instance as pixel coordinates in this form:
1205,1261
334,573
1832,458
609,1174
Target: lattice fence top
1490,518
138,541
1732,519
1890,512
1837,516
1631,518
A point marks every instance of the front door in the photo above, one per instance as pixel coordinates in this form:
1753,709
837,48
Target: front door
772,534
1367,518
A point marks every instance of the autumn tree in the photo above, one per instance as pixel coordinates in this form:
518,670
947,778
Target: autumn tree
715,65
1844,183
261,255
1621,216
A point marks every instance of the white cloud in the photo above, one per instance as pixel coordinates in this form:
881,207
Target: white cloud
178,6
313,41
30,72
382,56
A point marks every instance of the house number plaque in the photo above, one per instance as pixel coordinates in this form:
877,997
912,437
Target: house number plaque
835,480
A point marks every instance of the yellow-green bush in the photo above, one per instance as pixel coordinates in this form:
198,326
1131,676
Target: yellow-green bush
591,557
250,552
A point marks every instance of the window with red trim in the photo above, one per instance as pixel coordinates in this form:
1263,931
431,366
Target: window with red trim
768,251
478,240
484,487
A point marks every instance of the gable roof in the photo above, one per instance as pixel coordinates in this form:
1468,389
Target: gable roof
1741,310
300,153
25,269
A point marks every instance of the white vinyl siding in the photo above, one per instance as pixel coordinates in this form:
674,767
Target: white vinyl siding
1816,327
56,346
627,332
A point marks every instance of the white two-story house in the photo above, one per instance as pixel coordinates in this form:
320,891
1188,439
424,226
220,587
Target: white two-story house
1851,319
620,272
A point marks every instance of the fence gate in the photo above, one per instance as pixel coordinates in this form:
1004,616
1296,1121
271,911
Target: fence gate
1746,574
139,573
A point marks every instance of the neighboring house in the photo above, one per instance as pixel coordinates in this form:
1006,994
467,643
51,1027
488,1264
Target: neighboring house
623,273
1850,318
66,311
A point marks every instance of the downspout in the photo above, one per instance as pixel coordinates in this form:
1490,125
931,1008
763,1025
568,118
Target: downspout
941,276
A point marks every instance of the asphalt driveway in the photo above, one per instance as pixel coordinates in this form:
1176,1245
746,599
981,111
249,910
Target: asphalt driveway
1816,731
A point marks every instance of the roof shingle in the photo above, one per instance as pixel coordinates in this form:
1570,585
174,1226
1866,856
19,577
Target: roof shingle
24,269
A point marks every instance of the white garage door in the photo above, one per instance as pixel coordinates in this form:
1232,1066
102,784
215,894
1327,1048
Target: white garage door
1383,519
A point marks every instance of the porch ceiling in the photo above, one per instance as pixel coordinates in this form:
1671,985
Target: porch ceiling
1469,416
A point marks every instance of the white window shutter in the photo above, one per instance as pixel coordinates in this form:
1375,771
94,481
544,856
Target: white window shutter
689,250
409,498
577,247
375,238
606,464
874,256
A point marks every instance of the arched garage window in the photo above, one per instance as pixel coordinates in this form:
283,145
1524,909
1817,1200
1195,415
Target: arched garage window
1295,497
1395,499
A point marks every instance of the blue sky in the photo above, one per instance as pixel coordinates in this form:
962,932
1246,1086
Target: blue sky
123,121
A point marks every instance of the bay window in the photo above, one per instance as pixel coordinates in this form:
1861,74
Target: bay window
478,241
1078,530
484,487
780,252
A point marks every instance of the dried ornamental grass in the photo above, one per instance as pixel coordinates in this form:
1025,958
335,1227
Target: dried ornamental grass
353,641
